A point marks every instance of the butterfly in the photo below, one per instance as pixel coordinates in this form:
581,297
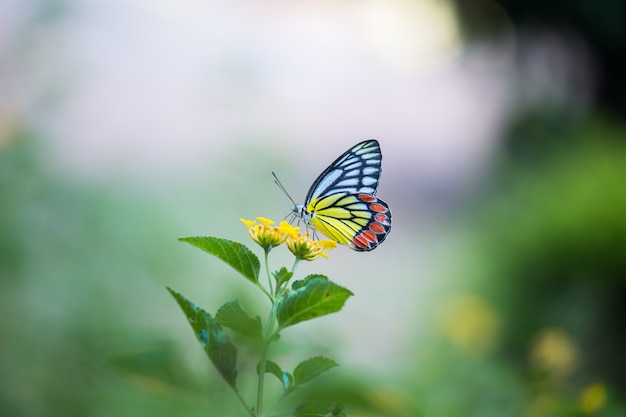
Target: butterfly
342,202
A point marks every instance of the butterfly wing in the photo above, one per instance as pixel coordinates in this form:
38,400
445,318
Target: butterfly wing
360,220
356,171
342,202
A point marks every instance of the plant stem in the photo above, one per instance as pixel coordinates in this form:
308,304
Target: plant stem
262,288
267,271
295,264
259,393
268,335
244,403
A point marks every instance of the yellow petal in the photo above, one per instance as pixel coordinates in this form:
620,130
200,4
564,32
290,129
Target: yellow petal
248,223
264,221
288,229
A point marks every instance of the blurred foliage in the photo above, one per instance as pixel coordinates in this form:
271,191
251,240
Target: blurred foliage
553,261
73,262
532,324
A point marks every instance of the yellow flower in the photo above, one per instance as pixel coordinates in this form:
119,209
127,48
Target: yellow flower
555,353
308,249
471,323
593,398
288,229
265,235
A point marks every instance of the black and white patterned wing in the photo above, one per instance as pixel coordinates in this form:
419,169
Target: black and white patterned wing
356,171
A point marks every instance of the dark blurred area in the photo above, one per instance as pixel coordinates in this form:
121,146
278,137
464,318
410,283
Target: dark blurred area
520,310
598,24
553,218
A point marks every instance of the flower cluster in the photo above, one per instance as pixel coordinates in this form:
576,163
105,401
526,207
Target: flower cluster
301,245
265,235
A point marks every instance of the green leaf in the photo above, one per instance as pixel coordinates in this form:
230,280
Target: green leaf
282,276
319,409
233,316
311,368
214,340
315,296
233,253
273,368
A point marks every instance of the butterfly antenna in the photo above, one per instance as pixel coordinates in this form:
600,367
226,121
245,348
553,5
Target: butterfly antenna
277,182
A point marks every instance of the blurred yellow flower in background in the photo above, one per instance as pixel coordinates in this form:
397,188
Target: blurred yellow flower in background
555,353
592,398
471,323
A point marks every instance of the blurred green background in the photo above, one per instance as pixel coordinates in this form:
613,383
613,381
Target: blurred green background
127,124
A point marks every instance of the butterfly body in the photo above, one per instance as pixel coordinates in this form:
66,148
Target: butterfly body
342,202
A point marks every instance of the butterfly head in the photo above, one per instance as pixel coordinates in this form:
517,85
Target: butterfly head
299,210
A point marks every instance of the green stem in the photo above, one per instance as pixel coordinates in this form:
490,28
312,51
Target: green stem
296,262
267,271
278,401
262,288
259,393
244,403
268,335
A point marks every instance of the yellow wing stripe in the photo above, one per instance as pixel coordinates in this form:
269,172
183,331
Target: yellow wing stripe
339,216
341,231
